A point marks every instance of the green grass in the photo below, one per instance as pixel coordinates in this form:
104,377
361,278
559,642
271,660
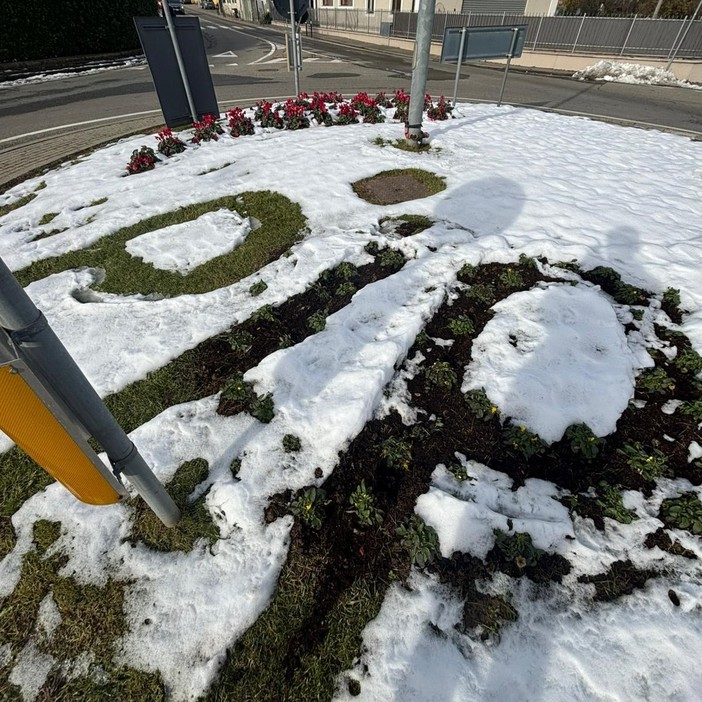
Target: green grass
6,209
282,223
195,524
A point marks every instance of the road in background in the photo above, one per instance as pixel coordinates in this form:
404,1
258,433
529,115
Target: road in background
45,121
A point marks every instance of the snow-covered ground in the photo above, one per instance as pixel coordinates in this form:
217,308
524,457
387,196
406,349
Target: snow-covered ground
518,181
619,72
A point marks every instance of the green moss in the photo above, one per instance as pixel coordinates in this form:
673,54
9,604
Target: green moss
431,182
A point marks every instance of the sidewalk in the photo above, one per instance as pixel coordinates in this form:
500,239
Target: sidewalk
25,156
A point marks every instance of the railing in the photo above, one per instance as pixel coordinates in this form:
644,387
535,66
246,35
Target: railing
618,36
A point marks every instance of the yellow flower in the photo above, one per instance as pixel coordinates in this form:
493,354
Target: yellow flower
493,409
308,506
522,428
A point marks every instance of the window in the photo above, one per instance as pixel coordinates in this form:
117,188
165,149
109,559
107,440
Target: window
370,8
346,3
397,5
327,3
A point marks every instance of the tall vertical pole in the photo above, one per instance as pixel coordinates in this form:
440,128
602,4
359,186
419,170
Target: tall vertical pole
179,58
293,44
682,39
577,36
422,48
40,348
513,46
459,62
626,40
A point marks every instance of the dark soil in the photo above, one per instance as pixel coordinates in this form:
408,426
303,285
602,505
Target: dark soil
621,579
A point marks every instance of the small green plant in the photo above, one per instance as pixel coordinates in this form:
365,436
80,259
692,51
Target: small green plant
263,314
372,248
420,540
511,279
391,258
262,408
604,275
257,288
480,405
345,271
318,321
237,389
285,341
396,452
345,289
363,505
481,293
461,326
689,362
626,294
671,297
466,273
519,440
649,465
291,443
441,375
379,141
692,409
458,470
527,261
240,341
609,498
637,314
684,512
309,506
583,441
517,548
655,380
422,339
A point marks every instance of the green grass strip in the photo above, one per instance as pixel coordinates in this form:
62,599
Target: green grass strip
281,224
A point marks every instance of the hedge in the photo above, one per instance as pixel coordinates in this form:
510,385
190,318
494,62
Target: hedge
42,29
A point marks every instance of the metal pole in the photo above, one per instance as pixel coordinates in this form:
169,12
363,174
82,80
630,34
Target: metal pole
682,26
538,29
657,10
38,345
580,29
680,43
458,65
179,59
422,47
513,45
621,53
293,45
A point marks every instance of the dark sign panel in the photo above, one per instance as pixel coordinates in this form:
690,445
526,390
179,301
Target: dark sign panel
505,41
300,7
158,47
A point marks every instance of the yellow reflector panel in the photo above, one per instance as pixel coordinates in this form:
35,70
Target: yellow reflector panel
30,424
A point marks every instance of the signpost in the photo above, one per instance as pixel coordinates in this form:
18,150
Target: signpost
297,11
464,44
50,409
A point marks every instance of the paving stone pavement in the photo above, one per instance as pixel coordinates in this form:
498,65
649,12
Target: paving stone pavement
29,155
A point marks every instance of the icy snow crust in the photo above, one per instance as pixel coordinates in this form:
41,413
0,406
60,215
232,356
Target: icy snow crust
581,190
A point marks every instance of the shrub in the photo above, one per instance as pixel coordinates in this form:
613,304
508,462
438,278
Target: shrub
346,114
517,548
294,116
511,278
688,361
391,258
262,408
268,117
401,103
396,452
143,159
481,293
466,273
318,321
692,409
420,540
168,143
655,380
291,443
319,111
461,326
671,297
257,288
368,108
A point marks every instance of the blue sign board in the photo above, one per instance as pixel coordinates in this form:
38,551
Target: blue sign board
504,41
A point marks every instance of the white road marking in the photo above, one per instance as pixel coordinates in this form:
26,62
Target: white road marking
226,54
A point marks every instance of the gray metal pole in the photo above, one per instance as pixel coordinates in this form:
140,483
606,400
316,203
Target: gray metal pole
293,37
179,59
459,63
538,30
577,36
682,39
513,45
41,349
675,41
628,34
422,47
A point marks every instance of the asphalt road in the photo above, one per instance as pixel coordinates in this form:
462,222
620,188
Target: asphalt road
248,62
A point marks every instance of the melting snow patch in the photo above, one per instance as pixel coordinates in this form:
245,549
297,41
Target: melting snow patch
552,357
30,671
616,72
49,616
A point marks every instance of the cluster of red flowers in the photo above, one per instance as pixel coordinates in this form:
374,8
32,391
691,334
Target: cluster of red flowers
143,159
206,130
294,113
169,143
239,123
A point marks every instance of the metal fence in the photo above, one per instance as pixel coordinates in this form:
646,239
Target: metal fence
618,36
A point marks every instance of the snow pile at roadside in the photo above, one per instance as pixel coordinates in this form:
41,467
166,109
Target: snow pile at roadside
635,73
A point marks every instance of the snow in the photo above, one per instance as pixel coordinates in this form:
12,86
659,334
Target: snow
618,72
517,182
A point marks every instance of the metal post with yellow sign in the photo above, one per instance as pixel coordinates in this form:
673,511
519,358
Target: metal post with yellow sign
50,410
